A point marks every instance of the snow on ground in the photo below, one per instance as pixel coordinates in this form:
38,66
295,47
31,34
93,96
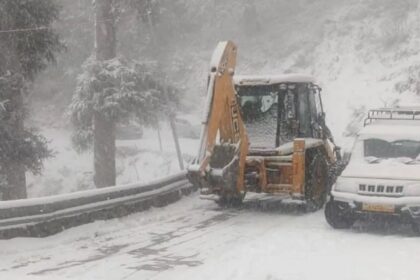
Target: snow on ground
194,239
364,59
137,161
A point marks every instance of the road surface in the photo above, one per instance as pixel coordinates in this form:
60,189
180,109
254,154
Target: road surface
195,239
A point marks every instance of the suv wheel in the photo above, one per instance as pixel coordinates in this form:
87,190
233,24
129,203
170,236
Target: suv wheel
338,216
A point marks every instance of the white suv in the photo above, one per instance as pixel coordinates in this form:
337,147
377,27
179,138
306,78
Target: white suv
383,174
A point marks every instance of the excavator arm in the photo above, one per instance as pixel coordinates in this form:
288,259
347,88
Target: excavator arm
220,165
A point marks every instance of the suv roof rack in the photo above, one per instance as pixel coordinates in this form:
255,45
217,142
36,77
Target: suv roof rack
398,113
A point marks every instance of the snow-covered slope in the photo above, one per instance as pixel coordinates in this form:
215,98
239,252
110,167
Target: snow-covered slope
363,53
366,60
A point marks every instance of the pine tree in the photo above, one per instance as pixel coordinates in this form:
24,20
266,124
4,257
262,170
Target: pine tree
112,90
27,46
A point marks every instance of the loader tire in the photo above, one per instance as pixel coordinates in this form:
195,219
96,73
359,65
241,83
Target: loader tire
230,200
415,226
316,183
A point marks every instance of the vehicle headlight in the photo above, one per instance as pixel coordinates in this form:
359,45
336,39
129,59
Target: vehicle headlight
344,184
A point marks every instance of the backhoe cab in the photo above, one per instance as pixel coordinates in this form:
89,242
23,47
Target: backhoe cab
263,134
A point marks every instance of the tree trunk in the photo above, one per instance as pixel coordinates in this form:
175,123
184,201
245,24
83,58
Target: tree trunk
14,171
105,39
103,129
16,182
104,152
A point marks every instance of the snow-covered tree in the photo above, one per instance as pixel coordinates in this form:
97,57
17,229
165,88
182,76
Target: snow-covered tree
113,90
27,46
121,91
21,148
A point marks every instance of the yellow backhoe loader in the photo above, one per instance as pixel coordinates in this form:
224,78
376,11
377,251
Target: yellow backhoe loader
263,134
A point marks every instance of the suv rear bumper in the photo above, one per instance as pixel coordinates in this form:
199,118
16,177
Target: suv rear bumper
405,207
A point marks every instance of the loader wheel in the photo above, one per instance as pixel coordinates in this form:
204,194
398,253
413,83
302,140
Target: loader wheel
415,226
316,185
230,200
338,216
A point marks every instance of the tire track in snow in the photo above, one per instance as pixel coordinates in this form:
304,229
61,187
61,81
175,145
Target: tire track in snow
153,254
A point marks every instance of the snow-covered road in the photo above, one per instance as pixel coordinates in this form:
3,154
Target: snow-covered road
194,239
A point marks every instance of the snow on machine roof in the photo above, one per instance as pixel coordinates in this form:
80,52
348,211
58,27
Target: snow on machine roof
255,80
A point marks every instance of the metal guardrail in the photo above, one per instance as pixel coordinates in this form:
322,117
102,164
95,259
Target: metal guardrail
45,216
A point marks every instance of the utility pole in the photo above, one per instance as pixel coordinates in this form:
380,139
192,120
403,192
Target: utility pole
171,116
176,141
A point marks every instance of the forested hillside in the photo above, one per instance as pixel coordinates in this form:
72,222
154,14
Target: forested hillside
362,52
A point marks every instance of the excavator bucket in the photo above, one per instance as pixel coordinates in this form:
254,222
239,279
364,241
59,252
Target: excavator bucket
219,167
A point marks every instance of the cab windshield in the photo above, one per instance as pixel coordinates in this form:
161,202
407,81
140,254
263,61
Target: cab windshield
276,114
259,114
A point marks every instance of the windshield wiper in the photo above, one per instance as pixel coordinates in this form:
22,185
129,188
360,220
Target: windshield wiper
372,159
413,162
